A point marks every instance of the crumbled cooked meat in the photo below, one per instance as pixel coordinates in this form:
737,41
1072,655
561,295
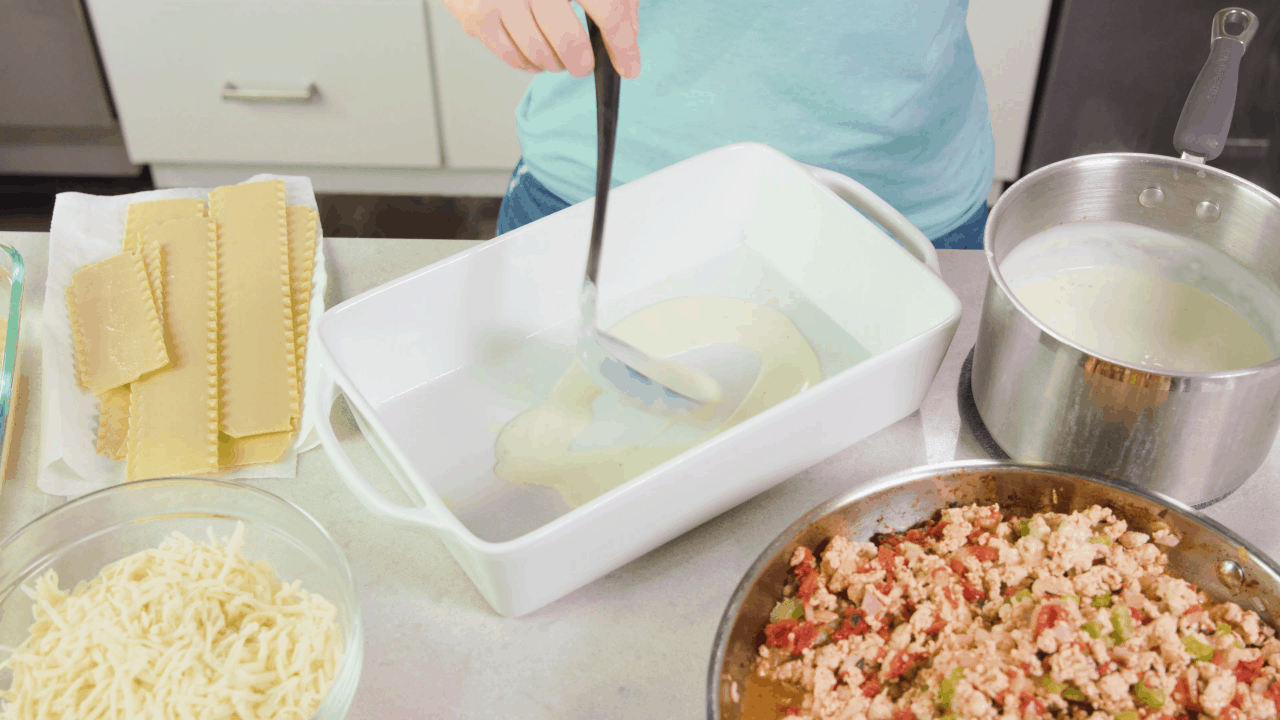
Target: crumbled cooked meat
977,615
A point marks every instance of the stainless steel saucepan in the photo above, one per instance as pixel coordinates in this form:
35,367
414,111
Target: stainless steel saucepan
1220,563
1195,436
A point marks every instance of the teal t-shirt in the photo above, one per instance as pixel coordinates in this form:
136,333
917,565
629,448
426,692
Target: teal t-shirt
884,91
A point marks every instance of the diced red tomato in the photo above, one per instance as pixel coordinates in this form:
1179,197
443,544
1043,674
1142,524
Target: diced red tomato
776,635
851,627
1011,673
1194,609
971,593
865,567
936,530
958,567
1231,714
1249,670
809,584
917,537
984,553
950,596
871,688
884,588
904,715
1003,695
1027,701
1237,701
805,635
1139,616
889,540
902,662
789,710
1182,695
790,634
972,537
884,633
938,626
1010,591
1048,616
885,556
1219,658
1273,692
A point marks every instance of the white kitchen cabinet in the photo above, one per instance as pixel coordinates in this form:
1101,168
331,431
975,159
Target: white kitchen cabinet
407,102
338,83
1008,39
478,97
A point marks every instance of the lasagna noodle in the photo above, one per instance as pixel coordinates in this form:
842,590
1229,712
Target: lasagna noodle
259,384
114,323
113,406
254,449
141,215
173,415
113,421
302,261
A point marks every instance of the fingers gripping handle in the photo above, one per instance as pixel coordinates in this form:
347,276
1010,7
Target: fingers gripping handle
1206,115
882,212
375,501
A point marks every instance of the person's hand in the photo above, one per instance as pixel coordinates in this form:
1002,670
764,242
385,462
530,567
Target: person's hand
539,35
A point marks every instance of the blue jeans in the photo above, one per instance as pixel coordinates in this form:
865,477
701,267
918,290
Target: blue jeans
528,200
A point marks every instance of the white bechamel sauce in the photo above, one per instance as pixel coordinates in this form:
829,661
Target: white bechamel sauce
1145,297
542,446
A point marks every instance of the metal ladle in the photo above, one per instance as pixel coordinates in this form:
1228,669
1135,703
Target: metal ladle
655,385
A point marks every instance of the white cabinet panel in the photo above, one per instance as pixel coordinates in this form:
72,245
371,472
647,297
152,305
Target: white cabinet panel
168,62
1008,38
478,97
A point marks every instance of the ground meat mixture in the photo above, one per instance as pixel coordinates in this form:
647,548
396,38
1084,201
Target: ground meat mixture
981,615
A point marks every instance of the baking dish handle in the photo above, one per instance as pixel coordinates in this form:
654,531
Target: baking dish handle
874,207
376,502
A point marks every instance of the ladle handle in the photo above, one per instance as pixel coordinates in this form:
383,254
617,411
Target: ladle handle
607,91
1206,116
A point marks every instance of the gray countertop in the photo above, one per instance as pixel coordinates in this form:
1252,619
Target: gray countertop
634,644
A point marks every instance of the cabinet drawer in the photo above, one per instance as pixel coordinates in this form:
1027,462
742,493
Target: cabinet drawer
169,63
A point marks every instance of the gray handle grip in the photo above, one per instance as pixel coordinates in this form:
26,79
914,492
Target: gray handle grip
1206,116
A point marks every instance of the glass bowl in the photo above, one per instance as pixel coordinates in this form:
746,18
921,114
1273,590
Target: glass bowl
79,538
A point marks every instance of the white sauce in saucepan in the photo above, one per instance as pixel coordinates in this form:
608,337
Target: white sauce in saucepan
1146,297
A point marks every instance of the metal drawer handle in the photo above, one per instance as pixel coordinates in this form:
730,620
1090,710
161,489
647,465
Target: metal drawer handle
231,92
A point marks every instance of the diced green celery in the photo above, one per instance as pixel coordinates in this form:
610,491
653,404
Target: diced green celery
1223,630
1198,648
1101,601
1053,686
1093,628
789,609
949,716
1126,715
947,688
1121,624
1024,528
1101,540
1023,594
1074,600
1151,697
1075,693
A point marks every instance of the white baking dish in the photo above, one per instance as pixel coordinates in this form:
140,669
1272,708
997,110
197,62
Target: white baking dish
405,357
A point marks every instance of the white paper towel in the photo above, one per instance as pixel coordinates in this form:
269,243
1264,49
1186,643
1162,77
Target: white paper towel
86,229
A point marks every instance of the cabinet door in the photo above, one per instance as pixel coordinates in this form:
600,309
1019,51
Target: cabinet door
50,76
169,63
478,97
1008,38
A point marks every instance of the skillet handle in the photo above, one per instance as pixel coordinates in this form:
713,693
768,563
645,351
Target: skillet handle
1206,115
374,501
857,195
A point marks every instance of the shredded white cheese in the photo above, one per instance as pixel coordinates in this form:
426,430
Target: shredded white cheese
189,630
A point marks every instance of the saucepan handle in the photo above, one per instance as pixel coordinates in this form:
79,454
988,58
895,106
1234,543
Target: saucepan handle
1206,115
376,502
874,207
